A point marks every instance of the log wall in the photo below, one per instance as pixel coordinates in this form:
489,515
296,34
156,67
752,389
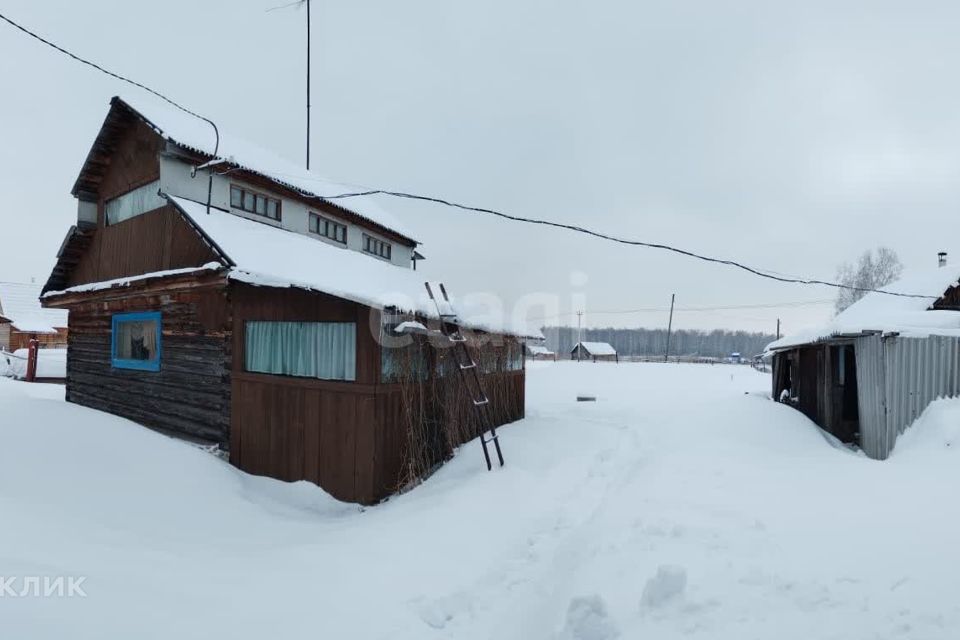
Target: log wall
190,395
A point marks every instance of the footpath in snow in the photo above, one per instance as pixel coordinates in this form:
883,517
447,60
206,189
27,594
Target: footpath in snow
683,503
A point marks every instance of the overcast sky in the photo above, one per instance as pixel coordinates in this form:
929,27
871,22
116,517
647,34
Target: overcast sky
791,136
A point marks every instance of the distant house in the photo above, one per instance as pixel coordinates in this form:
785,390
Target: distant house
539,352
23,319
283,326
868,374
595,351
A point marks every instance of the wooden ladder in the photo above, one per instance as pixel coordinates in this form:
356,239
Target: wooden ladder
469,371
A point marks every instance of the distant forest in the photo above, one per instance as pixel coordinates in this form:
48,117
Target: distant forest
646,342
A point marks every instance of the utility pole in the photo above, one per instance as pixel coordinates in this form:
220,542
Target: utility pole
778,328
579,335
666,356
308,85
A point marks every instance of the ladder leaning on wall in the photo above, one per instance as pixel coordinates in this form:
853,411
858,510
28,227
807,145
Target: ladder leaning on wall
469,372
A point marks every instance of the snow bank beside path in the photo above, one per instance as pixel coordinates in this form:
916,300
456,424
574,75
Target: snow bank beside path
682,503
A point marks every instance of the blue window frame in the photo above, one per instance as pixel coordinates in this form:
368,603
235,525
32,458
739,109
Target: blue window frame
135,341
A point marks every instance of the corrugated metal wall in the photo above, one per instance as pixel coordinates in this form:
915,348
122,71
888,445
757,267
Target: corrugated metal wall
897,379
871,397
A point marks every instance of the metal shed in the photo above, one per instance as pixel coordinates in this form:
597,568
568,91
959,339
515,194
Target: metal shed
867,376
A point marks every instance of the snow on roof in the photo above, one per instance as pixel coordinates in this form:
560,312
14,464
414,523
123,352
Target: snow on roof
881,313
126,281
599,348
20,304
268,256
196,135
539,350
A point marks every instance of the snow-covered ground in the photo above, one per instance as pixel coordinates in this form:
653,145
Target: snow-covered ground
51,363
681,503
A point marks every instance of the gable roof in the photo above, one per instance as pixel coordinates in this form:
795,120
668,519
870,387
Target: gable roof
20,304
882,313
264,255
597,348
539,350
195,135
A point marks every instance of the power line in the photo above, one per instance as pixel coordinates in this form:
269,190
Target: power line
780,305
94,65
626,241
109,73
284,6
456,205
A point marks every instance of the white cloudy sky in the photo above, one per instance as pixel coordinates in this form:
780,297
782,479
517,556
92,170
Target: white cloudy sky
788,135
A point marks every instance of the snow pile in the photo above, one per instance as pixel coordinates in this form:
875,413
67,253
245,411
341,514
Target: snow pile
20,304
937,430
878,312
272,257
195,134
665,586
587,619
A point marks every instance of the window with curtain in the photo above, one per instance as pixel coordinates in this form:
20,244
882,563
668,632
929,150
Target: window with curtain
324,350
404,363
514,361
135,341
134,203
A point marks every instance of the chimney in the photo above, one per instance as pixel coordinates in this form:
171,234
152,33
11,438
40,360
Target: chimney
942,258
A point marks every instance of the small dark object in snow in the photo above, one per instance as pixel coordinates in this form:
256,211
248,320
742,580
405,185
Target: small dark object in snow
586,398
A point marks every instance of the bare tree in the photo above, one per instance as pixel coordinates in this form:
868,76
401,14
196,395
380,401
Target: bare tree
874,269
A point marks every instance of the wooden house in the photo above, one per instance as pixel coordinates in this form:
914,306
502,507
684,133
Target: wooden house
868,374
229,298
594,351
22,319
539,352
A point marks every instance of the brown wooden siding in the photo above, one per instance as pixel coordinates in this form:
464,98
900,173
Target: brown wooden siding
324,433
294,428
190,395
298,305
347,437
134,162
155,241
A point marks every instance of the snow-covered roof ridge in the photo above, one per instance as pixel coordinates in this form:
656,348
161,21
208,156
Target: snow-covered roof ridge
196,135
20,304
881,313
267,256
599,348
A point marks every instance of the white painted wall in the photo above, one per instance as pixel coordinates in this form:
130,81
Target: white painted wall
175,180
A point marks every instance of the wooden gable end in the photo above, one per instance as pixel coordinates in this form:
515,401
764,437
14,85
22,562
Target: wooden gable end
949,301
156,241
124,155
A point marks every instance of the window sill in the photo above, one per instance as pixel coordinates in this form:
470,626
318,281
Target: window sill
136,365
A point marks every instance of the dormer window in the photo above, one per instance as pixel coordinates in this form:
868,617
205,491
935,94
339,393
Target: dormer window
376,247
328,228
253,202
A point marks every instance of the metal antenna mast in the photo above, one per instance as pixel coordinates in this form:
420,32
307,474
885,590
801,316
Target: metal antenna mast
308,85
